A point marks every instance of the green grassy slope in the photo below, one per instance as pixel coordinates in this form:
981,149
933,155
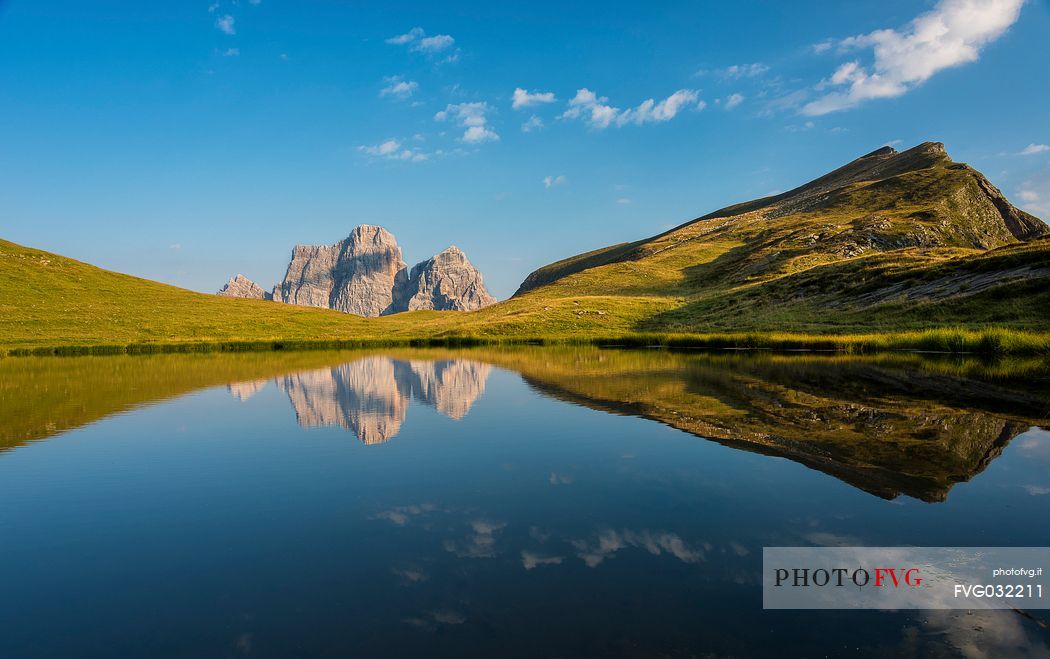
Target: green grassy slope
52,300
890,243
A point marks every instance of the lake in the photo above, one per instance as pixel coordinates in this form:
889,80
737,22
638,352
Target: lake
557,502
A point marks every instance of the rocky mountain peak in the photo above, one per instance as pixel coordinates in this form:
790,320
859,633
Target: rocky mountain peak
356,275
365,275
446,281
241,286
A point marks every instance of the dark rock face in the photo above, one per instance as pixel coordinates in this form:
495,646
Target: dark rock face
445,282
241,286
366,276
1022,225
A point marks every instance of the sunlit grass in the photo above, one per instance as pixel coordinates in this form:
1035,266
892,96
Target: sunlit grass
54,305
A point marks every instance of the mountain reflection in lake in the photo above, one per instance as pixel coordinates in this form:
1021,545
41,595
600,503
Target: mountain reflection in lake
887,426
517,501
370,396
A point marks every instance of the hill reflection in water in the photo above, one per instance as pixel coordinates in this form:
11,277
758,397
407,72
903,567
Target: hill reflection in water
889,424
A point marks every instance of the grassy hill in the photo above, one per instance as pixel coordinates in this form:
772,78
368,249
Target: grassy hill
890,241
886,251
53,301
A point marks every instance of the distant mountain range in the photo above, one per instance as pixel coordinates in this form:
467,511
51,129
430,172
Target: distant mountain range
365,275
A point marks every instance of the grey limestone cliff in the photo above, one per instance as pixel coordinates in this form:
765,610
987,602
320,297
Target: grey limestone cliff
366,276
241,286
356,275
445,282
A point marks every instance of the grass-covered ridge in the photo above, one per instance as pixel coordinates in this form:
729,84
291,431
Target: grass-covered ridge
893,251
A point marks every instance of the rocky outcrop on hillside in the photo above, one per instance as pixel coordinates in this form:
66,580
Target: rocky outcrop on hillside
445,282
356,275
241,286
366,276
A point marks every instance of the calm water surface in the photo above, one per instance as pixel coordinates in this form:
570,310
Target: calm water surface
529,502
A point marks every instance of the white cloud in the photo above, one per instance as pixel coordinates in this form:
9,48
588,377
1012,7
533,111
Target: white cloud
225,24
175,246
623,201
231,52
523,99
531,560
398,87
434,44
1035,196
589,106
594,109
403,514
733,100
411,575
481,543
1033,149
951,34
255,2
477,134
417,40
610,541
213,7
534,123
737,71
407,37
649,111
472,117
554,181
560,479
385,149
823,46
393,149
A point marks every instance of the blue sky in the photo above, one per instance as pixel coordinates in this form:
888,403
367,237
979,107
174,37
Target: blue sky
188,141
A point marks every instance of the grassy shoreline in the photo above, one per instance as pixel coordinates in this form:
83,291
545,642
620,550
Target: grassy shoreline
991,341
65,307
